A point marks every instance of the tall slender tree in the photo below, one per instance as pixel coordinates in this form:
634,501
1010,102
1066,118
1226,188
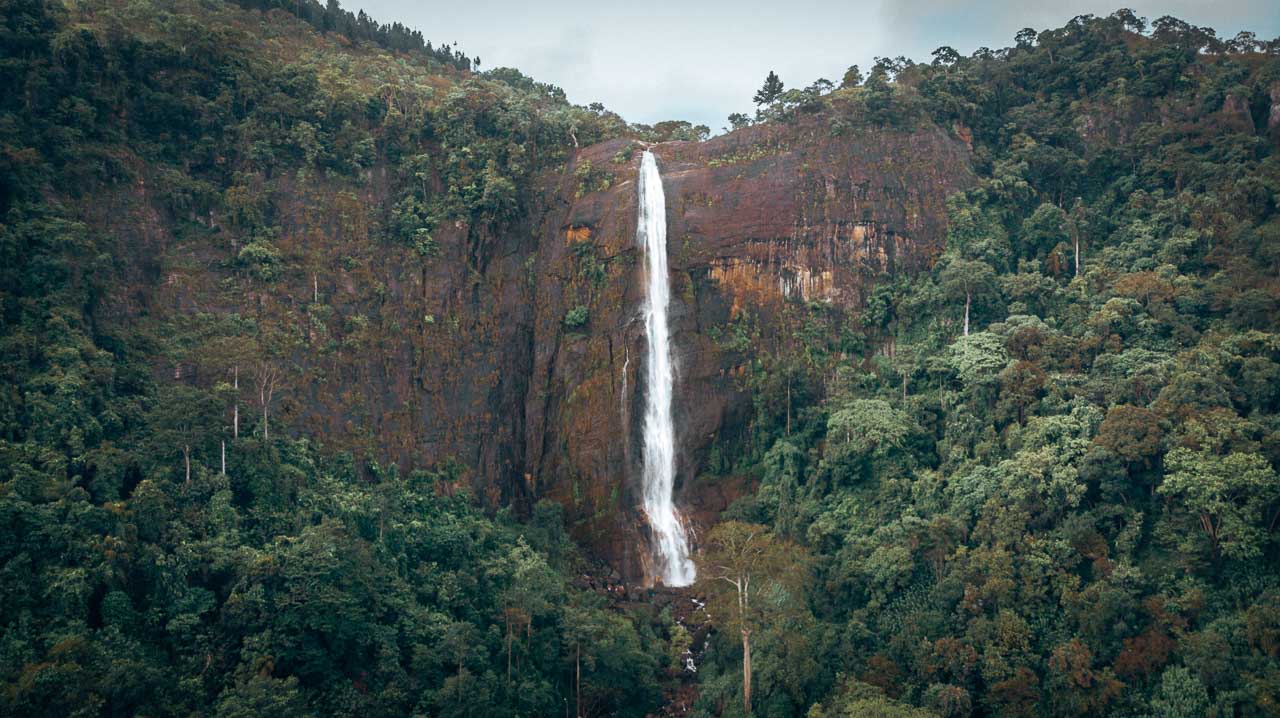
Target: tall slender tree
742,563
770,91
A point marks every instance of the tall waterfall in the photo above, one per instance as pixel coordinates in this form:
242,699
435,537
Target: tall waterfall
670,543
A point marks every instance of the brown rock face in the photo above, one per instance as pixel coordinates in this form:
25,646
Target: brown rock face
756,219
517,352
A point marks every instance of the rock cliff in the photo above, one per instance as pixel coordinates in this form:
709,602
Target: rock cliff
758,218
515,354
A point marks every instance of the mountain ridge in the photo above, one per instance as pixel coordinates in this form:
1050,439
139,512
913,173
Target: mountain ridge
321,371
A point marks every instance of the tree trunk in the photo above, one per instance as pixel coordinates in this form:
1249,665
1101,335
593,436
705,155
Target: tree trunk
186,459
968,299
235,419
904,387
461,656
788,403
577,680
224,457
746,671
268,376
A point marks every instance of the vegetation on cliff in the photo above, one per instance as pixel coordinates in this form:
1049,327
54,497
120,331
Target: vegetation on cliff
1037,479
1048,486
173,541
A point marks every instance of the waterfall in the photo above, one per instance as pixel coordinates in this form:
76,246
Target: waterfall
670,543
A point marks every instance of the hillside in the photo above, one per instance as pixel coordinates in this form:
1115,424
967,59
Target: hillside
323,383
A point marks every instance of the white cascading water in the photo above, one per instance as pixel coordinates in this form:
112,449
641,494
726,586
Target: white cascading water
670,542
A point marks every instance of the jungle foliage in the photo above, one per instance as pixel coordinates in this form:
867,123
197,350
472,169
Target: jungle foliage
1038,479
1046,482
170,542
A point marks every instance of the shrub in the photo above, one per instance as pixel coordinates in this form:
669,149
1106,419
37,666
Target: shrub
577,317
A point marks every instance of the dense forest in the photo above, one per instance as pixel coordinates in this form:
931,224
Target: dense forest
1037,478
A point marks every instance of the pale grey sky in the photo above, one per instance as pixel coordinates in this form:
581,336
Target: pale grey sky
659,60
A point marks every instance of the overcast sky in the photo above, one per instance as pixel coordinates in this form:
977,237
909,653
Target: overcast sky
699,61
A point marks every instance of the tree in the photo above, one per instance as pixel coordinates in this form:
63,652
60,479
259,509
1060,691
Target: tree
1244,41
771,91
945,56
1079,688
531,589
669,130
967,278
267,376
856,699
612,675
1180,695
1130,20
738,120
821,86
975,229
1021,383
852,77
1043,230
783,473
746,572
183,419
459,640
978,359
1131,433
225,356
262,695
1078,224
867,427
1227,495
